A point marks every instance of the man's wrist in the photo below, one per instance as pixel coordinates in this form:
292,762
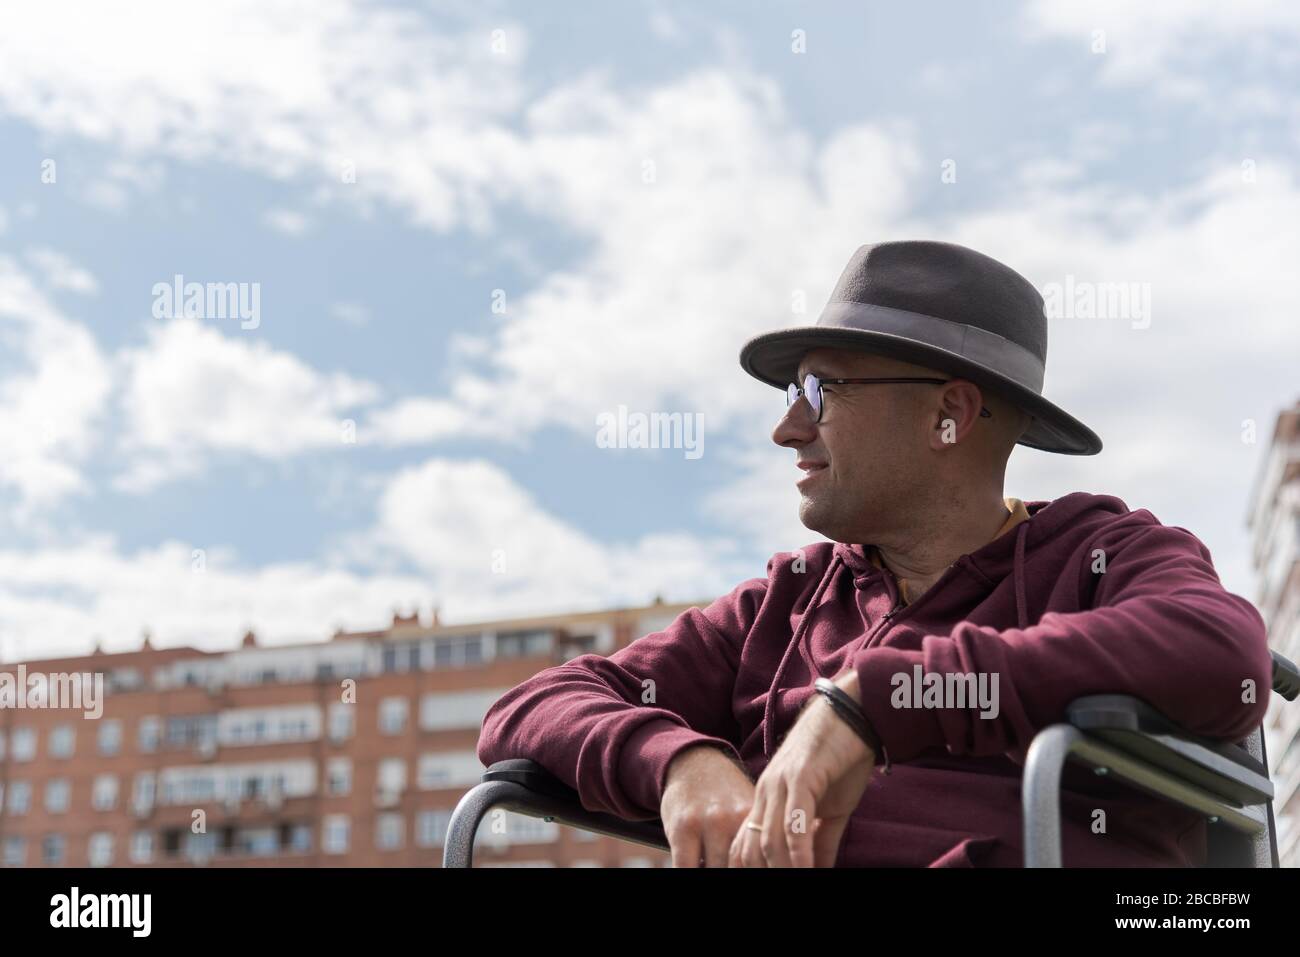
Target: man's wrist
846,705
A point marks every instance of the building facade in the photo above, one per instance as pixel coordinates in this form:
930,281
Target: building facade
347,752
1275,527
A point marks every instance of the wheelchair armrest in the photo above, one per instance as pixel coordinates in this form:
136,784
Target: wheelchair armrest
526,787
1135,728
1286,677
533,776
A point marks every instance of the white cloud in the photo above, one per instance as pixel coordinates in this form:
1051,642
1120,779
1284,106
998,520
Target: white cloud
686,261
57,600
490,550
284,87
287,221
1167,44
51,403
190,392
707,213
452,520
60,272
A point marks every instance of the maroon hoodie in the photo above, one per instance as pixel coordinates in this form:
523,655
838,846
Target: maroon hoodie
1033,607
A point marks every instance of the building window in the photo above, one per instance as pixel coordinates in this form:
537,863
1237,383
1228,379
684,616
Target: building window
185,730
24,744
458,652
524,644
450,711
400,657
335,831
389,831
299,839
258,841
339,776
392,715
62,741
20,797
392,776
52,847
431,828
200,848
142,847
523,829
100,849
110,737
577,645
448,769
124,679
2,745
15,851
142,792
341,721
148,734
57,794
103,797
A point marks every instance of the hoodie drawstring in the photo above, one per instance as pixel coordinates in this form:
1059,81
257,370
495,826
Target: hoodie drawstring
795,639
1018,575
1022,619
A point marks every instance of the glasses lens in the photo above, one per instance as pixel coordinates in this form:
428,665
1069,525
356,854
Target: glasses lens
791,395
812,388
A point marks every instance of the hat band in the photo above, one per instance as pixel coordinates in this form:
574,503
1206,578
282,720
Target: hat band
980,346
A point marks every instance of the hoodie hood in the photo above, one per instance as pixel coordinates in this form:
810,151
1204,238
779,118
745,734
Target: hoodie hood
1005,554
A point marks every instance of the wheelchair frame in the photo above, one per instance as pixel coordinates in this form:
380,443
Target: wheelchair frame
1116,735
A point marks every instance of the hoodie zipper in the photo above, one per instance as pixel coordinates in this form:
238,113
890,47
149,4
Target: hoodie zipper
899,608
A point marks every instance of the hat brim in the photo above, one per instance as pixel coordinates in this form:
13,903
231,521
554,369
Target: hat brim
774,358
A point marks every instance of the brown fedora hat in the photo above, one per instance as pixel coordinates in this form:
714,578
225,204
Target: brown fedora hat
942,306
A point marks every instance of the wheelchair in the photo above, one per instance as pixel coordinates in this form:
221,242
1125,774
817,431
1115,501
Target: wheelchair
1116,735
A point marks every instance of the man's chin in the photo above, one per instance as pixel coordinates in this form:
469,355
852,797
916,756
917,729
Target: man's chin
815,516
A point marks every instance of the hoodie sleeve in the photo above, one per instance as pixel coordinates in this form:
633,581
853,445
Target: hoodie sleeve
610,726
1161,628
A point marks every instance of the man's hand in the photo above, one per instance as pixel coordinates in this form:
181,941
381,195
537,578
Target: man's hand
807,792
706,796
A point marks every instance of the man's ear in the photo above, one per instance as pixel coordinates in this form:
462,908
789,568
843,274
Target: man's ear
959,409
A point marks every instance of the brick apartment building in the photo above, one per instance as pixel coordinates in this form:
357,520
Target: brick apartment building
1275,522
283,769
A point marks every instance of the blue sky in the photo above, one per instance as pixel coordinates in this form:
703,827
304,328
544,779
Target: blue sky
647,185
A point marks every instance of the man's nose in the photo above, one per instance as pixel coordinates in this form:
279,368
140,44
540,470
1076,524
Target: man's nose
796,427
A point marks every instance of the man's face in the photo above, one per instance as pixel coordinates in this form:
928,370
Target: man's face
861,465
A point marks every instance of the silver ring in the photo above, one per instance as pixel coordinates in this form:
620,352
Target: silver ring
753,826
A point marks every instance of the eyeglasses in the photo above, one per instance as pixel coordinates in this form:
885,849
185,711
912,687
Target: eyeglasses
812,389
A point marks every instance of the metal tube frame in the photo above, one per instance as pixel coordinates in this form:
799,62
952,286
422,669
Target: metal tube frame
511,796
1041,790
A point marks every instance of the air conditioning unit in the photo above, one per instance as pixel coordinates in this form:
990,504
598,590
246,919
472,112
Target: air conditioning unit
231,803
384,798
207,749
141,809
273,799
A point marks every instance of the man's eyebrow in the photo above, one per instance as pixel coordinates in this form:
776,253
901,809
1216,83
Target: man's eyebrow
819,373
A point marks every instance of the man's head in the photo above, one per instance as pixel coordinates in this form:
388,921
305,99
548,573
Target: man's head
883,453
933,305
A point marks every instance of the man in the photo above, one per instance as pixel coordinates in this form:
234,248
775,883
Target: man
952,622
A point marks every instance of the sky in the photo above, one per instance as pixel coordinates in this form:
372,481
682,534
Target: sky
463,232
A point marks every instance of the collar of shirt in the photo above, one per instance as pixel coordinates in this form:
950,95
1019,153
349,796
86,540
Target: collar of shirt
1018,514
